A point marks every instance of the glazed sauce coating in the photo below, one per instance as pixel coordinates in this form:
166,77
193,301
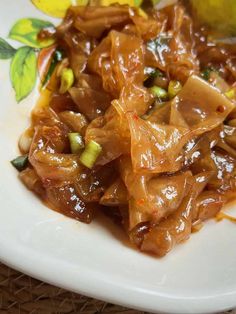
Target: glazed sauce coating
167,163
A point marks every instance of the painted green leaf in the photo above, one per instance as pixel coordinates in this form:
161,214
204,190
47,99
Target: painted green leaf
23,72
26,31
6,50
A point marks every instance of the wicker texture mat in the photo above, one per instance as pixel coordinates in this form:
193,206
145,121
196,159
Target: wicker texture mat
21,294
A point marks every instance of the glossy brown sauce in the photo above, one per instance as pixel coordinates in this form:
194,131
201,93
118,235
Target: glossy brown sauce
167,163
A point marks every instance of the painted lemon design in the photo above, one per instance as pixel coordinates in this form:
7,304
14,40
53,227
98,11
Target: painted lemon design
220,15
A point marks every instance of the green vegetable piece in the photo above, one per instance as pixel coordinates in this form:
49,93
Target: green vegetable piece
67,80
230,93
6,50
149,71
174,88
152,72
206,73
90,154
58,56
20,163
159,92
26,31
76,142
23,72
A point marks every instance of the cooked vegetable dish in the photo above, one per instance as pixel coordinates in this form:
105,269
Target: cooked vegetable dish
136,119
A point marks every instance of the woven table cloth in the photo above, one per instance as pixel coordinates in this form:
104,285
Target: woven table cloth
21,294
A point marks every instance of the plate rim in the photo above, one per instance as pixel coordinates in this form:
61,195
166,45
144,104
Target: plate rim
135,298
26,260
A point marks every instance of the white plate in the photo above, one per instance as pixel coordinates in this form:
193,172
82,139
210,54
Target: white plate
95,260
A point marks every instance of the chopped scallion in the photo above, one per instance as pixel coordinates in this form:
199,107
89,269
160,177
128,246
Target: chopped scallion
67,80
174,88
230,93
58,56
206,73
20,163
76,142
151,72
150,75
159,92
90,154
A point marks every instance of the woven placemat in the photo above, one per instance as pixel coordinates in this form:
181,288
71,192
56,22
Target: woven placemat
21,294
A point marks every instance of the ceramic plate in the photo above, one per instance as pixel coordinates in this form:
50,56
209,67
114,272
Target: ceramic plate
95,260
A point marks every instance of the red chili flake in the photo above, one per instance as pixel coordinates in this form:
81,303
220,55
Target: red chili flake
135,117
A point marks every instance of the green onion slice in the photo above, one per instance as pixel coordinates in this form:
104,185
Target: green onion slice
67,80
230,93
90,154
174,88
58,56
76,142
206,73
153,72
159,92
20,163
